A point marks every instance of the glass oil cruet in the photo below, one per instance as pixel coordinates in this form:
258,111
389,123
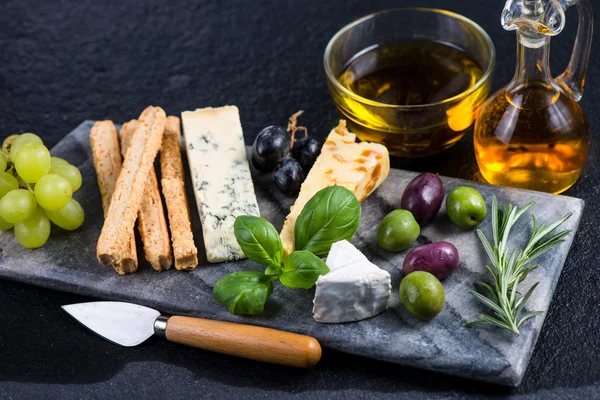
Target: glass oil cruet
532,133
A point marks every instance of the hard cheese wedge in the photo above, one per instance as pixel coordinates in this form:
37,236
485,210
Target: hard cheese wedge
360,167
353,290
220,175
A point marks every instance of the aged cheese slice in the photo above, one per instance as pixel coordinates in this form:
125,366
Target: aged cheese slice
220,175
360,167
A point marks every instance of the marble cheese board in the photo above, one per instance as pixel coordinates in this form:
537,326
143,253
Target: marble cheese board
68,263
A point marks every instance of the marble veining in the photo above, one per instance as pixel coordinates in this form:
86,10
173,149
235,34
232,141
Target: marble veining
68,262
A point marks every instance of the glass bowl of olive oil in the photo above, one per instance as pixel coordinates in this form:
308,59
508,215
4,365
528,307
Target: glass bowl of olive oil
412,79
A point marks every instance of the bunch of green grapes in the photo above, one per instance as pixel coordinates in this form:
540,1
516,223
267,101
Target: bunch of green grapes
36,189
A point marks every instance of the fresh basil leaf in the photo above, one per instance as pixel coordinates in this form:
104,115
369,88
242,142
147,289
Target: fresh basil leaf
333,214
244,292
273,270
260,241
301,269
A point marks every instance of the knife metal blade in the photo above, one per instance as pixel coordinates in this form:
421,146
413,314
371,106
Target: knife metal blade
124,324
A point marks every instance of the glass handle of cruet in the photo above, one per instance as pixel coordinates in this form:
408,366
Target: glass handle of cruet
573,79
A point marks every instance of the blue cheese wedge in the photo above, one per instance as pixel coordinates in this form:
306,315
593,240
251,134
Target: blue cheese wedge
220,176
353,290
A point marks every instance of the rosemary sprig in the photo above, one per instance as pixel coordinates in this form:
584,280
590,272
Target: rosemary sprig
510,267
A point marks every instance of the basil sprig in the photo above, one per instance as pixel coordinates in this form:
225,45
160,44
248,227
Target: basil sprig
333,214
244,292
260,242
301,269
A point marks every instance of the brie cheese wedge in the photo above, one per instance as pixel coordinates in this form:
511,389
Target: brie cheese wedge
353,290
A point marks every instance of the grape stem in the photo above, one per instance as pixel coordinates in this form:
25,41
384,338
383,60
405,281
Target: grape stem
24,184
293,128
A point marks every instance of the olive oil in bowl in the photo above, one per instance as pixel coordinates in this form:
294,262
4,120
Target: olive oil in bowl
412,79
410,73
416,96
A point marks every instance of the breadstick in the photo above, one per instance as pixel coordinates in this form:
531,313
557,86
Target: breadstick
107,162
173,188
129,190
151,215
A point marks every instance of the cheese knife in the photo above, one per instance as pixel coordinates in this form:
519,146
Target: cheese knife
128,325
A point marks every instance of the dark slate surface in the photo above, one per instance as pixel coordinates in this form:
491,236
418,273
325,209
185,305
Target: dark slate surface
66,61
68,263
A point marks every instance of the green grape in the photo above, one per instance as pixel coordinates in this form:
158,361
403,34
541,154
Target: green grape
70,173
4,226
52,192
3,162
58,161
17,206
6,145
21,141
34,231
69,217
32,161
7,183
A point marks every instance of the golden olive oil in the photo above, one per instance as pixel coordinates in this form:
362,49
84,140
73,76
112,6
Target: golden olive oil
411,73
541,146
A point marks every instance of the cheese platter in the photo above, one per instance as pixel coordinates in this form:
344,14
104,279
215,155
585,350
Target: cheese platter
355,306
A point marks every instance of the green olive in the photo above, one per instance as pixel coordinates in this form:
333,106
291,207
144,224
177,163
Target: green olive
398,230
465,207
422,294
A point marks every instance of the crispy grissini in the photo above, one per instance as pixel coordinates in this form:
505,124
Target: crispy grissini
107,162
173,188
151,215
131,184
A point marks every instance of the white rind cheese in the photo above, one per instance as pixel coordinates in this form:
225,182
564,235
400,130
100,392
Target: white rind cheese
220,175
353,290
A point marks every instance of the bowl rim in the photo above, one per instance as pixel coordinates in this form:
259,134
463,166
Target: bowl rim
487,73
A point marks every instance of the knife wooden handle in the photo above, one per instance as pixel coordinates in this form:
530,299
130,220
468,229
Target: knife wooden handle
253,342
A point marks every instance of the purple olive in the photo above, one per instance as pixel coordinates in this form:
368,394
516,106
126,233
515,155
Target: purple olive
423,197
439,259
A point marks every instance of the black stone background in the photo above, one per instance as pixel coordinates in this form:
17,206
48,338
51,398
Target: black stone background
65,61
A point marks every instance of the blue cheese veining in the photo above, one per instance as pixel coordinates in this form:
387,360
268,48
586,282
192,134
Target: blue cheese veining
220,175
